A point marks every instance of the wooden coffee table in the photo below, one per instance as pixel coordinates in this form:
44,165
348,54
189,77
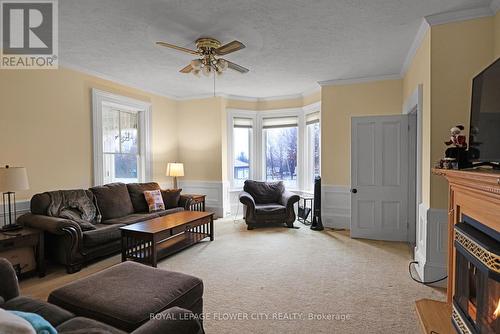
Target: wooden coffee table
149,241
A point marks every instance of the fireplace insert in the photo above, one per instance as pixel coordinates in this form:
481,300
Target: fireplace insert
476,301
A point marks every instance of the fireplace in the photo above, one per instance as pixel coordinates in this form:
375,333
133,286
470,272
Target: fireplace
476,301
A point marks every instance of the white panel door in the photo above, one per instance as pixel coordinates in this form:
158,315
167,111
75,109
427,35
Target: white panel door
379,177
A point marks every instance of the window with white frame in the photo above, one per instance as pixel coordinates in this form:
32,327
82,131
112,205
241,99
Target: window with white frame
280,136
242,146
121,139
277,145
313,149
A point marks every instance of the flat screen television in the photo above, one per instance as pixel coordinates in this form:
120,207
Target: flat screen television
485,117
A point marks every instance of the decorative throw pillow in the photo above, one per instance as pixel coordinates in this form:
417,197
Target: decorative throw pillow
171,197
154,200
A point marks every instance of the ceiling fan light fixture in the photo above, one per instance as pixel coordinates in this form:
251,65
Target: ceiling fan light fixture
207,69
222,64
196,64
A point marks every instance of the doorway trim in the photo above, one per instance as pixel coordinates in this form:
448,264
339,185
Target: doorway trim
414,104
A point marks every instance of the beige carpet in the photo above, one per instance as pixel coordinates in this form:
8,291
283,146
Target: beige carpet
273,279
283,276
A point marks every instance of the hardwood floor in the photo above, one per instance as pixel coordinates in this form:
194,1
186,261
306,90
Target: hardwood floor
56,277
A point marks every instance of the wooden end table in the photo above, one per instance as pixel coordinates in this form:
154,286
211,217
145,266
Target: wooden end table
149,241
197,202
26,237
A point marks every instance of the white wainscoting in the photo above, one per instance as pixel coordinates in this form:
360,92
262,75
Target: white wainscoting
336,206
22,207
214,190
431,248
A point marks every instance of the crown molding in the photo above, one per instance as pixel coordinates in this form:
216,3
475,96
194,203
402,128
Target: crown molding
113,79
351,81
495,6
417,41
459,15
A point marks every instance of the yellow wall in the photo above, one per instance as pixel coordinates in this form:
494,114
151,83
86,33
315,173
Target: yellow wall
45,125
338,105
419,73
199,125
496,35
459,51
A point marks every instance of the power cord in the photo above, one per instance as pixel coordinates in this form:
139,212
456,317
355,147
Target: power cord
422,282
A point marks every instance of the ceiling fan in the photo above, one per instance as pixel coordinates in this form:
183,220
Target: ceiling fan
209,50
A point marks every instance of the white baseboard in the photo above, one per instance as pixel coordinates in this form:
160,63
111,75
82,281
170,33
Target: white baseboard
214,190
336,206
22,207
431,250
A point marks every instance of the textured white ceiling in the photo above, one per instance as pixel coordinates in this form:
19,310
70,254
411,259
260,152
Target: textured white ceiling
291,45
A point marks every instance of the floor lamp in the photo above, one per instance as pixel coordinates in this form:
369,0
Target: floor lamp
12,179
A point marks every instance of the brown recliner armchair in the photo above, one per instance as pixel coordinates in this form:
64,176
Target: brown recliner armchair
267,203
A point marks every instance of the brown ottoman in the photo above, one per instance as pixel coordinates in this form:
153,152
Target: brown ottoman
125,295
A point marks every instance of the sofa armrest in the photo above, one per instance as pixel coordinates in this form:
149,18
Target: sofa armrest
247,200
174,320
49,224
288,199
185,202
9,288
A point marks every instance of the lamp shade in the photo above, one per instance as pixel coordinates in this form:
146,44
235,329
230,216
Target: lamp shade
13,179
175,169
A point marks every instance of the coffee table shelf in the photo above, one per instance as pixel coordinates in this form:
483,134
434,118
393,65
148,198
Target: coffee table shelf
149,241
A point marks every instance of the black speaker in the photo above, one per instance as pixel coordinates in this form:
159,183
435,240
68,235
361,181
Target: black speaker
317,225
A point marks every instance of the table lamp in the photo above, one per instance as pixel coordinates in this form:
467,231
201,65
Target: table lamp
175,169
11,179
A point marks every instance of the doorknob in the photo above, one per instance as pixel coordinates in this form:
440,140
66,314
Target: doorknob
354,190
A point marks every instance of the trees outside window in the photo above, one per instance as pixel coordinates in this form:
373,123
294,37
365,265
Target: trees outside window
281,155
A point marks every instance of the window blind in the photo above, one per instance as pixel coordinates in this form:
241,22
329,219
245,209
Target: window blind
280,122
239,122
312,118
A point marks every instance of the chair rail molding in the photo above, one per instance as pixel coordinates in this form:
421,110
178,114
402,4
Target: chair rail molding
336,206
431,250
214,190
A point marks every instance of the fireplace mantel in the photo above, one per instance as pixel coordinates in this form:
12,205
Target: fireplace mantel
476,194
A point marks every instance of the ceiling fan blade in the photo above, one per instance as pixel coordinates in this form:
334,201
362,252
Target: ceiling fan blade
179,48
229,47
187,69
237,67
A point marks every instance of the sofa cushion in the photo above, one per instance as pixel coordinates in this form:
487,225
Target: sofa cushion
270,209
136,192
103,234
113,200
264,192
140,290
81,325
171,197
133,218
52,313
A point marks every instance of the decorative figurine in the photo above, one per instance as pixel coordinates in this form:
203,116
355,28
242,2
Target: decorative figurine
457,139
456,155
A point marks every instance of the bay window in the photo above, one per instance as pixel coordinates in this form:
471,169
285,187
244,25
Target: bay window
242,138
281,147
274,145
312,147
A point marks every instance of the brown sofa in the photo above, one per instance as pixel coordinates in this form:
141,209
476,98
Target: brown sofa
173,319
267,203
119,204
